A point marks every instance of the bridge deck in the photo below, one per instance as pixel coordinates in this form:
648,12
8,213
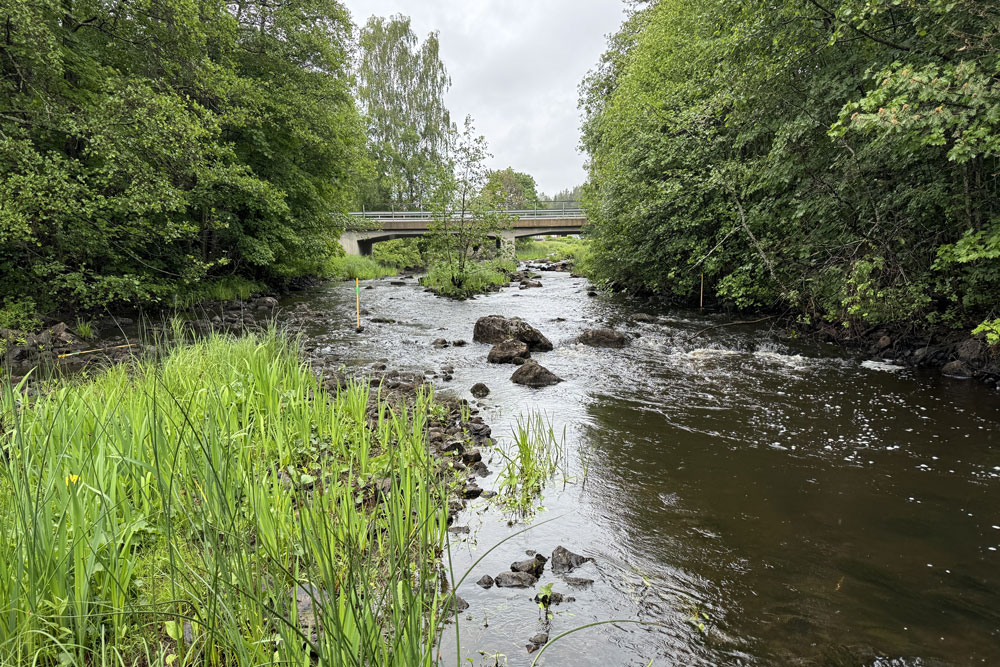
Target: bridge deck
384,225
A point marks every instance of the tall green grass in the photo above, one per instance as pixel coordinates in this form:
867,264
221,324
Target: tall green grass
477,278
220,289
532,457
350,267
165,514
551,247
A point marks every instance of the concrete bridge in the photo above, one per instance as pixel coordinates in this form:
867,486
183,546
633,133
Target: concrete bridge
387,225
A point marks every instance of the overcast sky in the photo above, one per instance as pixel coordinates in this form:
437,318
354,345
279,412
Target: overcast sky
515,66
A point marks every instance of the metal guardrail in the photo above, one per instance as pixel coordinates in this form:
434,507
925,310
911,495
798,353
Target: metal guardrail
534,214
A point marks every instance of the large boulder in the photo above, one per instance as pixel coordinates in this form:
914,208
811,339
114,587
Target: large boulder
495,329
510,351
603,338
532,374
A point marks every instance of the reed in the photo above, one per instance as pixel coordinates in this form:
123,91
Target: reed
533,455
168,513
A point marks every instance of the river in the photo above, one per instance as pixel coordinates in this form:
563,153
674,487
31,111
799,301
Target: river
809,507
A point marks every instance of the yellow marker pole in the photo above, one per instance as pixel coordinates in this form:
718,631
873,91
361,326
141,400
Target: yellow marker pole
101,349
701,297
357,295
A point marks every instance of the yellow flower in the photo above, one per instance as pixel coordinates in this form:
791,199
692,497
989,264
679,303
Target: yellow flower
72,479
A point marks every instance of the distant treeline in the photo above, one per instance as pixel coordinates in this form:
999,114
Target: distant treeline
836,156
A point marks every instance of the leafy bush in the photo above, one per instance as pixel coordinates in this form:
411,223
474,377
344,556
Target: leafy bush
400,253
479,277
990,330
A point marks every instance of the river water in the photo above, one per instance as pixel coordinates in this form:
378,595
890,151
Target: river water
808,506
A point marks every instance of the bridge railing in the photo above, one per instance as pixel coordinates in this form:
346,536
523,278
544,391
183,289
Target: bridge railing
531,213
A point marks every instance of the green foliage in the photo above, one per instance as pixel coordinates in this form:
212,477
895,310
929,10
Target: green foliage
401,86
84,329
989,330
350,267
219,289
552,247
465,217
448,279
511,190
19,315
532,457
400,253
202,493
837,157
144,150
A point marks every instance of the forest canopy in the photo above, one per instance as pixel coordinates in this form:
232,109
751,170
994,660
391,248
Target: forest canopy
146,146
839,157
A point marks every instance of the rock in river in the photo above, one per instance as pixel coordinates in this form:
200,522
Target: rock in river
603,338
515,580
533,566
957,369
497,328
510,351
486,581
480,390
535,375
564,560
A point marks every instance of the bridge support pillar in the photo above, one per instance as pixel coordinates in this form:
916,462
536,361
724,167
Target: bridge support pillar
354,243
505,244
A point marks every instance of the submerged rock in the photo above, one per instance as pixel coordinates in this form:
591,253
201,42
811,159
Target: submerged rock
533,374
510,351
564,560
540,638
515,580
497,328
603,338
578,582
644,317
480,390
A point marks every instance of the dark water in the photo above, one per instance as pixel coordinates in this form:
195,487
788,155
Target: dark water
817,508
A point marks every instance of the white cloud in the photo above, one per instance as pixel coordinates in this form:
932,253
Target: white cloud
515,66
